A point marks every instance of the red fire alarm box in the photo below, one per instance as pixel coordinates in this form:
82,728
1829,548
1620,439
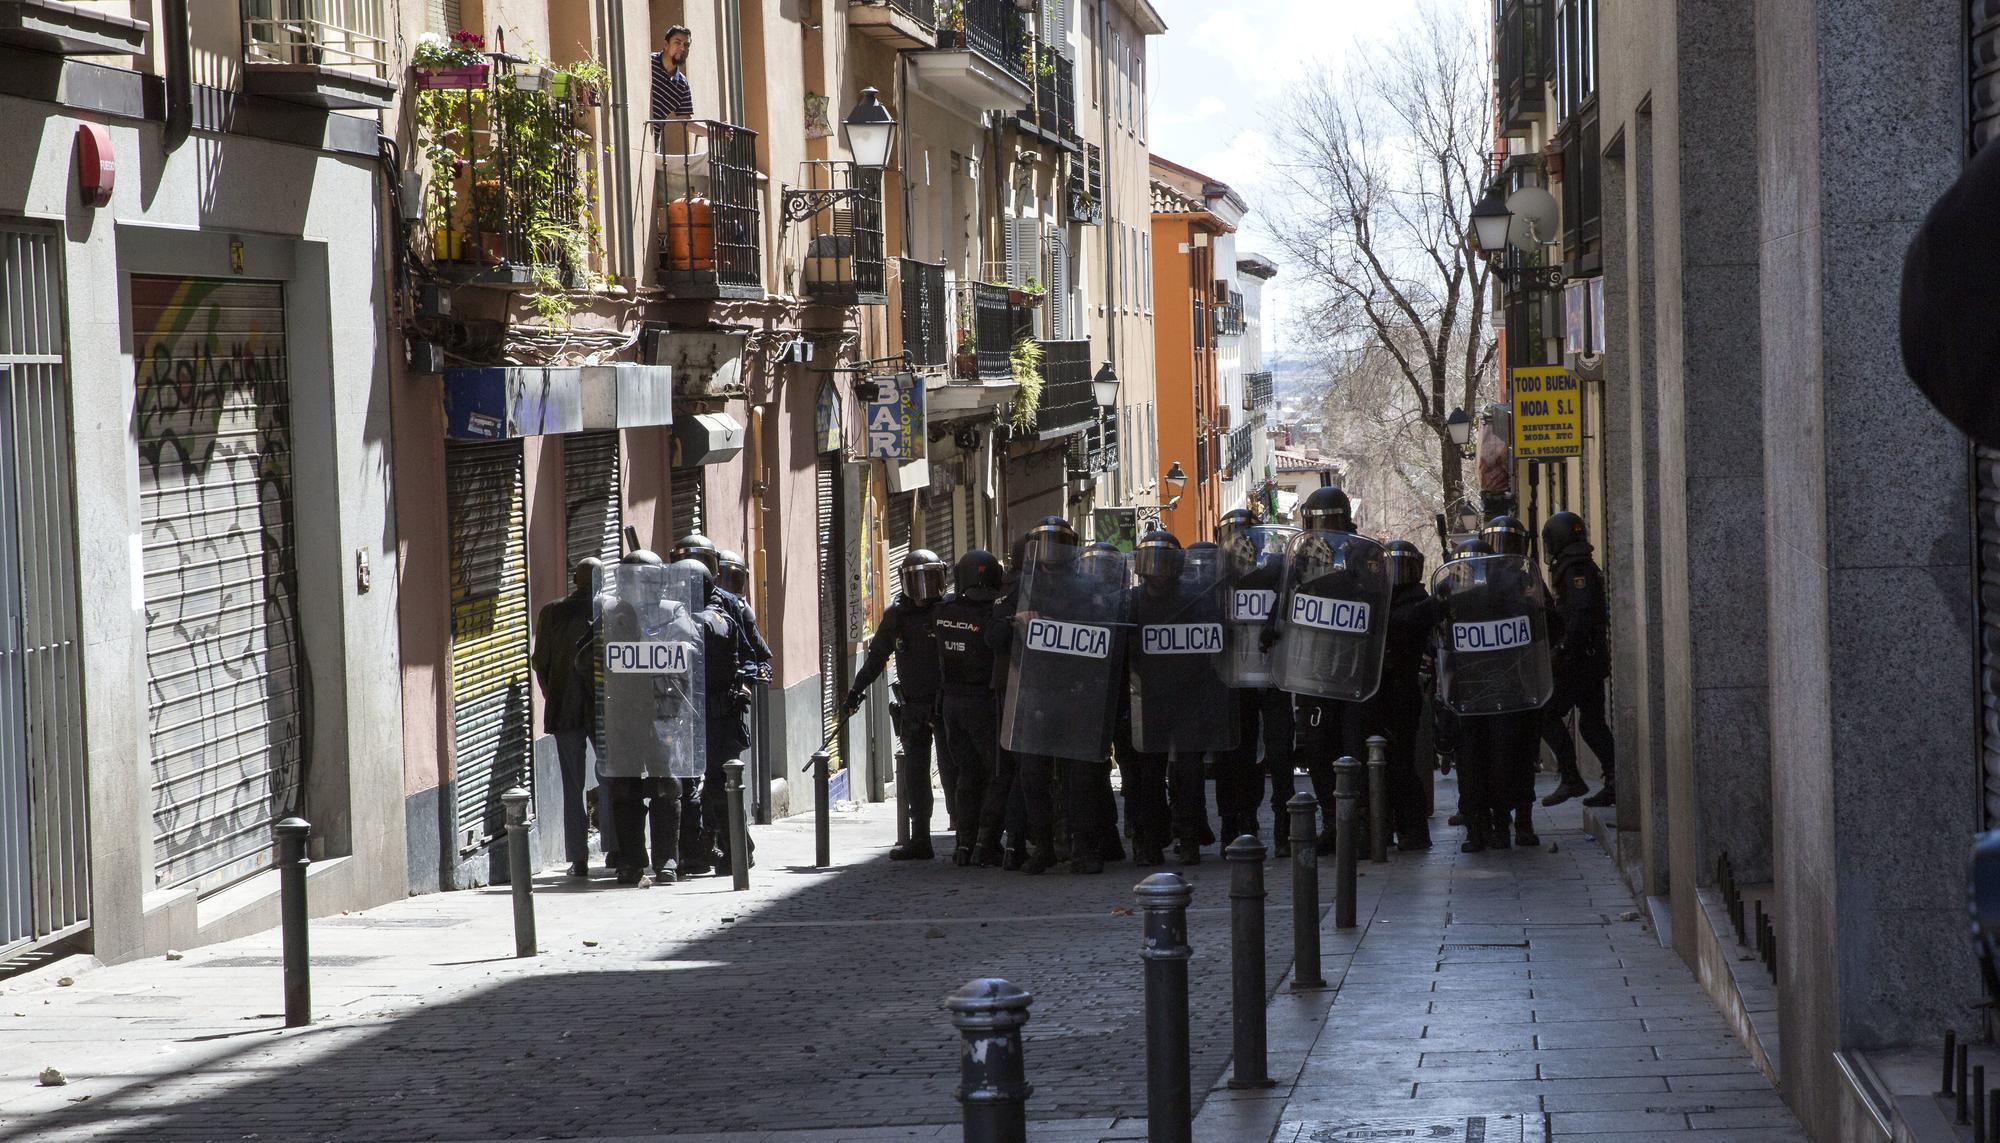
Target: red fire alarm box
96,166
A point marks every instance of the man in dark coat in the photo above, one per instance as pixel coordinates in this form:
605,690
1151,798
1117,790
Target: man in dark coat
564,642
1580,658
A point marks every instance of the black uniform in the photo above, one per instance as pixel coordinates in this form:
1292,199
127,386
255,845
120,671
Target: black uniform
1495,752
1330,729
1266,713
1581,662
1400,704
1164,796
728,728
908,631
970,722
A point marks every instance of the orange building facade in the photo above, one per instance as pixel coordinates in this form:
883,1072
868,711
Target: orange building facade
1190,213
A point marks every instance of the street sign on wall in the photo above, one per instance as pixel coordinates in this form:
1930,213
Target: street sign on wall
1548,412
896,418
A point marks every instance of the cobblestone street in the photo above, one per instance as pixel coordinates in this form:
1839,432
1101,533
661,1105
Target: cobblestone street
809,1009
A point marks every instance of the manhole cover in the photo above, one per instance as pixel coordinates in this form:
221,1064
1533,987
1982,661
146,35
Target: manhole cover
1437,1129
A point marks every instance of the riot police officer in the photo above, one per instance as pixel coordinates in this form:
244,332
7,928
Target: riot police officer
1580,660
1400,702
1254,563
1180,707
1514,764
968,720
726,703
908,631
752,653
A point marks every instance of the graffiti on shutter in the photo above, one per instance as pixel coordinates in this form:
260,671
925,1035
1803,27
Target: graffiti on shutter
592,514
491,732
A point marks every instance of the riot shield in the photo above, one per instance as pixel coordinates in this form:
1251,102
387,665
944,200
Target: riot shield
1180,702
1067,659
1333,615
1493,654
651,709
1253,567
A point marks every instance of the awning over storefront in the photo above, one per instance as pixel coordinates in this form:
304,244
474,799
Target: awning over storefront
506,402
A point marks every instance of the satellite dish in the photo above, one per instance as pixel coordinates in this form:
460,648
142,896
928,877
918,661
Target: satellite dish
1536,218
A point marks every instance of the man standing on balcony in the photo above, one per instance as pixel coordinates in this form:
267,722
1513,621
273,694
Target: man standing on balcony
672,99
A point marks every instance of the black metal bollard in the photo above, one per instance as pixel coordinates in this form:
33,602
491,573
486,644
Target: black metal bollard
1963,1084
1305,893
292,834
993,1083
1950,1057
1246,961
1979,1102
902,800
520,870
1378,799
1992,1116
822,764
1169,1101
739,826
1345,772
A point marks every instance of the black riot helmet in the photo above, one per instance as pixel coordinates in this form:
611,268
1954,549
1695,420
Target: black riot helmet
1506,536
695,546
583,577
1561,530
1158,556
1233,523
977,576
1472,546
701,574
1406,562
923,576
1327,510
1232,535
1102,560
641,556
1052,542
734,575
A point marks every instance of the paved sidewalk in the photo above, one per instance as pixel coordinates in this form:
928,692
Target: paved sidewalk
1514,983
1521,988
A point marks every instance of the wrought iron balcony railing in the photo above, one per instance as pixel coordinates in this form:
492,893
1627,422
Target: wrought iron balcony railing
925,339
994,29
844,259
1068,401
1101,443
1242,449
345,34
1256,391
985,325
1054,109
514,195
709,212
1086,186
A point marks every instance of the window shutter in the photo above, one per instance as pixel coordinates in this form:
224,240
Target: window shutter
1059,308
1024,254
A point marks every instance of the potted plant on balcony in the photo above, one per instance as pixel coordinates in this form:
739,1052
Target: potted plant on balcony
1025,360
1029,296
582,83
951,20
456,64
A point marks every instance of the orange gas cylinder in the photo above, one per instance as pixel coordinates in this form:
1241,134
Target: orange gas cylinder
691,233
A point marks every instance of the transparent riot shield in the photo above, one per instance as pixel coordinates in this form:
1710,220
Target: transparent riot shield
1180,702
651,708
1333,616
1067,659
1493,654
1253,568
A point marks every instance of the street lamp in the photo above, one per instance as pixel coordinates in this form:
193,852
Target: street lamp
1490,220
871,134
1459,426
1176,484
1492,223
1105,385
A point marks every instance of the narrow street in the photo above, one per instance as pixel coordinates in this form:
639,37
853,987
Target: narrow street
1512,983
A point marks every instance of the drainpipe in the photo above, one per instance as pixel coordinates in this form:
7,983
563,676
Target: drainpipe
1110,258
625,263
179,64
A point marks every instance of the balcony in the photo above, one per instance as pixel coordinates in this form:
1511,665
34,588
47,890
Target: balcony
1582,194
981,61
1100,448
1053,116
709,214
73,29
1229,316
844,261
1256,391
1527,50
1085,198
1068,401
924,334
507,191
904,25
1242,450
321,53
985,333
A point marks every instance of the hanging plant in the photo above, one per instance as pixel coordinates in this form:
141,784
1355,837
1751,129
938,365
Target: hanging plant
1026,361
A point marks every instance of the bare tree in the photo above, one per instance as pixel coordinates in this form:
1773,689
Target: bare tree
1381,163
1373,426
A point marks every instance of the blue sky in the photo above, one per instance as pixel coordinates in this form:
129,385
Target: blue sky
1219,73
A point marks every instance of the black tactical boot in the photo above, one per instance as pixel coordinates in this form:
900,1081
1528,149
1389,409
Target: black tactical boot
915,849
986,849
1039,860
1608,796
1496,837
1188,853
1566,791
1524,827
1015,861
962,856
1475,837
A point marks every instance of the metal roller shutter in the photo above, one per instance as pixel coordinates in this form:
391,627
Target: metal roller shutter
901,517
832,599
690,493
592,514
489,635
44,843
1984,75
938,528
226,694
